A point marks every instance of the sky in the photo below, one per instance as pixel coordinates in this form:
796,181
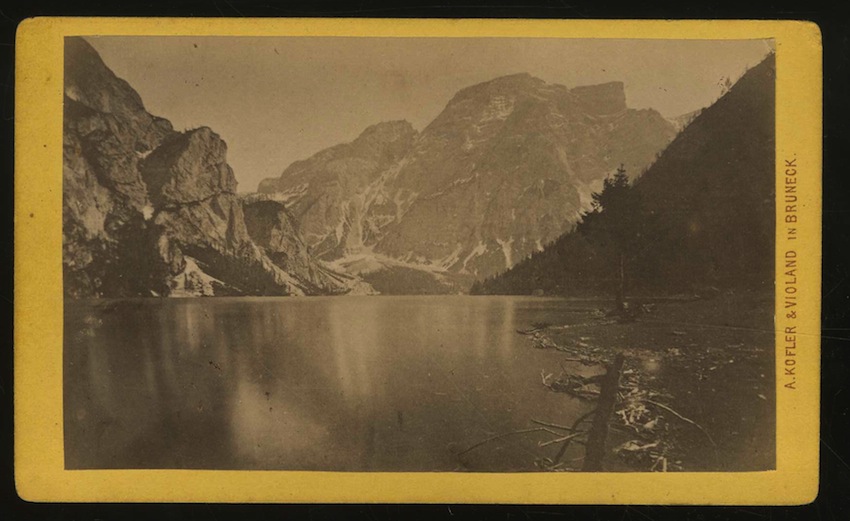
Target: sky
277,100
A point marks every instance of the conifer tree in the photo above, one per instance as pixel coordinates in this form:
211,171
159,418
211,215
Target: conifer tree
615,220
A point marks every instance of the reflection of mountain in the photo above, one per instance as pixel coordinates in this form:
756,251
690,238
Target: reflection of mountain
299,384
505,168
707,213
125,383
148,210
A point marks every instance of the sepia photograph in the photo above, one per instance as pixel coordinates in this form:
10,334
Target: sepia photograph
418,254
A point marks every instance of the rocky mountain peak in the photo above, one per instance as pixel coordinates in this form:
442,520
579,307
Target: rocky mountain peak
490,100
188,167
605,98
90,82
387,131
502,85
107,129
386,140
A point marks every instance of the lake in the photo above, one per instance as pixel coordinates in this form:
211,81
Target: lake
319,383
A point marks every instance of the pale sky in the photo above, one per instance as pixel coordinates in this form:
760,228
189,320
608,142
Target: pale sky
277,100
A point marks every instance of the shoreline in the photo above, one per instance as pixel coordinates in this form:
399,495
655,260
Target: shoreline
677,367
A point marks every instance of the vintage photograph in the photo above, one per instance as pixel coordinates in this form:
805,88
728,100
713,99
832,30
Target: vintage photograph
387,254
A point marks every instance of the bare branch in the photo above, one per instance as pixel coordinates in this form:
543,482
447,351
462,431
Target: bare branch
503,435
574,428
560,440
553,425
686,420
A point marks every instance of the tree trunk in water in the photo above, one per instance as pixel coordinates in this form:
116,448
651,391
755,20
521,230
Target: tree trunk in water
595,448
621,286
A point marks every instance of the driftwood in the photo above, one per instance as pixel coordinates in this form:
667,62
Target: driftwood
653,450
534,330
605,407
560,440
574,428
576,385
553,425
686,420
506,434
655,446
545,427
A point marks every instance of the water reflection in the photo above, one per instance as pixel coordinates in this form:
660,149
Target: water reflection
354,336
389,383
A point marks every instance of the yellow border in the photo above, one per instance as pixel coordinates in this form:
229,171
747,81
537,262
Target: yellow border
39,468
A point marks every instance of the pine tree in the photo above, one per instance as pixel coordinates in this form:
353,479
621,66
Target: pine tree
615,224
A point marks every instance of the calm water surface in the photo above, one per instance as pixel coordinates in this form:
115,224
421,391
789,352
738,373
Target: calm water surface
325,383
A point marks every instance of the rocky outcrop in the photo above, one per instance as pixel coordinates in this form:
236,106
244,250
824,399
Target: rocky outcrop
187,168
150,211
506,167
201,216
272,228
106,239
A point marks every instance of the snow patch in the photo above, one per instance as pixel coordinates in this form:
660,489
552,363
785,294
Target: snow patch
500,108
360,263
72,93
339,231
507,250
367,261
451,259
480,249
403,203
94,220
468,144
193,281
585,192
290,194
361,287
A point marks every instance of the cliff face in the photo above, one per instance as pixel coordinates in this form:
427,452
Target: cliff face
106,133
331,193
272,228
148,210
505,168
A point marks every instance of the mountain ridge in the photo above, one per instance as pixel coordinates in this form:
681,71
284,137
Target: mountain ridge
505,167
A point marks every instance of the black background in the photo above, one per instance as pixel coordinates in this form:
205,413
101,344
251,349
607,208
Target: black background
833,502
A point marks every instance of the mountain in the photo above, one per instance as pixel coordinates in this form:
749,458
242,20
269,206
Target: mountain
151,211
707,211
330,193
506,167
683,120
